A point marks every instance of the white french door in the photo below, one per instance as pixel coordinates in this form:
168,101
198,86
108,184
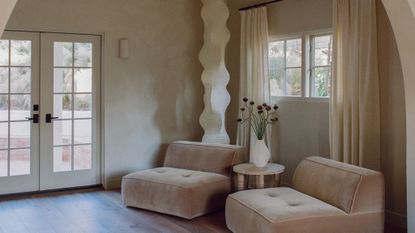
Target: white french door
52,134
70,71
19,118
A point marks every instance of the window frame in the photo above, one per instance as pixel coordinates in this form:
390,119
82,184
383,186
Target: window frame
306,64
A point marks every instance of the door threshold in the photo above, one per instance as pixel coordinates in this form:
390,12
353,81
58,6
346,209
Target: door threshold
52,192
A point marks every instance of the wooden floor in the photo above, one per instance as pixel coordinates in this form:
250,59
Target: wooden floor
95,211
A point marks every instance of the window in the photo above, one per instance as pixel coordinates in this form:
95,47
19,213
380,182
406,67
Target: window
294,72
286,67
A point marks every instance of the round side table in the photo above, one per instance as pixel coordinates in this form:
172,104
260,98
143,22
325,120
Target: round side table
248,169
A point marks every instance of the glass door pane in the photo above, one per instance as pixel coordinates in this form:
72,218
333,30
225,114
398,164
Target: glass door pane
15,107
19,91
73,104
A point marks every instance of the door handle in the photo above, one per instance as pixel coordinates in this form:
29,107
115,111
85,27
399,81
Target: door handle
34,119
49,118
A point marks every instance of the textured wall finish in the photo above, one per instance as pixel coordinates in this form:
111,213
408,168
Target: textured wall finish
215,76
6,8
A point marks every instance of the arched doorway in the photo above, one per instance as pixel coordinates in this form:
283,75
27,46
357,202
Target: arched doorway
402,17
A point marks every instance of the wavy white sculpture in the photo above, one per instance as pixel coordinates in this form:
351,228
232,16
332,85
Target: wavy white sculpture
215,76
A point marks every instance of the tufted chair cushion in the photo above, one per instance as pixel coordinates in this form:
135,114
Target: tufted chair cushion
181,192
285,210
278,205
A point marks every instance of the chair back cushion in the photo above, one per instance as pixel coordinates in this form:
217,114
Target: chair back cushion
204,157
350,188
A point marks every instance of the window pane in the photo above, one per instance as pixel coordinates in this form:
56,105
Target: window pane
277,83
276,68
20,79
19,107
4,80
62,53
4,52
83,54
83,157
83,80
62,133
4,107
19,162
83,131
4,135
293,84
83,106
322,82
294,53
276,54
62,159
21,52
323,50
3,163
20,134
62,106
62,80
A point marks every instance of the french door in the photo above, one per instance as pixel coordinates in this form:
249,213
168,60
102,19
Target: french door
49,111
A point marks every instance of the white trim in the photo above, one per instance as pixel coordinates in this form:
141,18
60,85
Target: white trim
275,99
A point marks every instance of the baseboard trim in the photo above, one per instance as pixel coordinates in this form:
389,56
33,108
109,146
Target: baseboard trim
396,219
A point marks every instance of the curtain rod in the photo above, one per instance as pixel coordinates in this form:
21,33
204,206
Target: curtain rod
259,5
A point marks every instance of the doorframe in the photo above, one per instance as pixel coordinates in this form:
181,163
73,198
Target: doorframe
101,113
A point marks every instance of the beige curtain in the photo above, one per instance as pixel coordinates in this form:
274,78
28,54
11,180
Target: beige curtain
355,107
254,65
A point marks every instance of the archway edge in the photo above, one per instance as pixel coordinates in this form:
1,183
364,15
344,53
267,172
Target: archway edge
402,16
6,9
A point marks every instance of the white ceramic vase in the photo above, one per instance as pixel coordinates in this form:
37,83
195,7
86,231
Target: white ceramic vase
260,154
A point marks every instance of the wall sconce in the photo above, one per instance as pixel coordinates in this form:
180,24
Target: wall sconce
124,50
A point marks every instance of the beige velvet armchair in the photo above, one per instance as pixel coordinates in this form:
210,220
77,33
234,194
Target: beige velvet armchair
326,197
195,180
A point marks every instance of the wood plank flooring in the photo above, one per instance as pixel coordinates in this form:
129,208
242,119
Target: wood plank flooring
96,211
93,211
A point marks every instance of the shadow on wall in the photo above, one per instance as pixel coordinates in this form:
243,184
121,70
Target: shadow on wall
302,131
179,93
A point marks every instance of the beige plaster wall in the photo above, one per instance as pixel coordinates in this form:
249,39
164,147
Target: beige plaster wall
6,8
154,97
